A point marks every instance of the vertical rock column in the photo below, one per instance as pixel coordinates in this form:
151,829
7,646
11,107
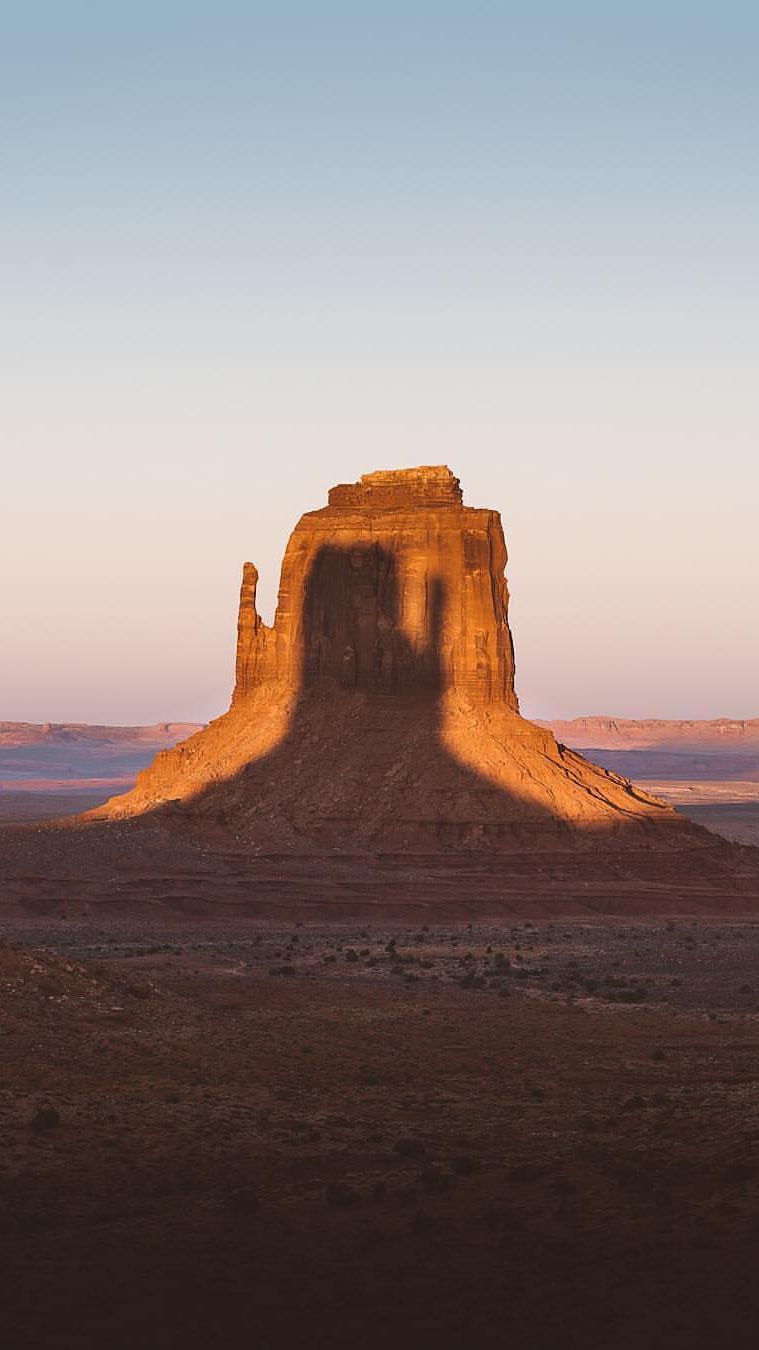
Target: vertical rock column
253,638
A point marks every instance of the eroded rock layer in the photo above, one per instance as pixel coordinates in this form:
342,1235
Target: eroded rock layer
379,712
393,587
374,761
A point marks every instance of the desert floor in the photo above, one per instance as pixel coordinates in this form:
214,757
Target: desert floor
726,807
528,1136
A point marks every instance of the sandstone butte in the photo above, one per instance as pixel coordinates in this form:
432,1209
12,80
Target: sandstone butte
374,759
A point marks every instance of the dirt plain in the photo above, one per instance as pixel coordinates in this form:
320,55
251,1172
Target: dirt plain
729,808
540,1135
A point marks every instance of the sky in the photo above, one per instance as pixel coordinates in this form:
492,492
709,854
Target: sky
250,250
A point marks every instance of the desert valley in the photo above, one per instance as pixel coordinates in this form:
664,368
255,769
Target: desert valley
373,1013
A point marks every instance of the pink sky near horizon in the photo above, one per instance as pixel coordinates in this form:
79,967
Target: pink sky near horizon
248,257
611,614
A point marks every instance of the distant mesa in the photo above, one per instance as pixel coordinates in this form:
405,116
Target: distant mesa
45,734
72,758
373,759
669,751
723,734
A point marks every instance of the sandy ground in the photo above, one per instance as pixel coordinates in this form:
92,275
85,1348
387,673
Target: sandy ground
538,1136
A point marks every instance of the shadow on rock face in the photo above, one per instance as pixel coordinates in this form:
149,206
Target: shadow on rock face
362,765
375,758
352,627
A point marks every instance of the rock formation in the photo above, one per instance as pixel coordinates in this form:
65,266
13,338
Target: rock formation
401,586
373,760
379,711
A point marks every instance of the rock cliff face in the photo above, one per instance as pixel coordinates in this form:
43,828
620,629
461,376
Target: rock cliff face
394,586
374,761
379,710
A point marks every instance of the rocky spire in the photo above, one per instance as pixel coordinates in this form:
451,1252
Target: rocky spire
252,634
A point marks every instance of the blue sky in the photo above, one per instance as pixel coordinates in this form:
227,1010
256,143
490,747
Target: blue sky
250,250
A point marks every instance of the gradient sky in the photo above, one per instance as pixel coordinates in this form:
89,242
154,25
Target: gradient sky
249,250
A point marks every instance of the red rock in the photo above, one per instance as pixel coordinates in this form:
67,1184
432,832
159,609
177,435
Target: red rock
395,584
374,761
379,711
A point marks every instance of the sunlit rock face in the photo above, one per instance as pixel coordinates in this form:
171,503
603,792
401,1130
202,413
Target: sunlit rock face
378,712
394,587
373,759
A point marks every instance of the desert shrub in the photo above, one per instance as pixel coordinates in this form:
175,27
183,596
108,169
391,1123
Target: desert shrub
243,1201
465,1165
139,990
433,1178
341,1195
410,1147
46,1119
739,1171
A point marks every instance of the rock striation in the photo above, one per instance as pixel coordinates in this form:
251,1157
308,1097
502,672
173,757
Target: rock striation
374,761
378,712
395,585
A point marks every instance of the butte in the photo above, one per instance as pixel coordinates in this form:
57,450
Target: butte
374,761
